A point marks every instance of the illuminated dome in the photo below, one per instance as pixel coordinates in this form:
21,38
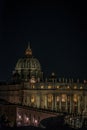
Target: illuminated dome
28,63
28,66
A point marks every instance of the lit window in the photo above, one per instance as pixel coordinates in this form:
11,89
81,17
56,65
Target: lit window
68,87
81,87
35,121
58,87
42,86
75,98
63,98
49,87
58,98
27,119
50,98
32,80
19,116
75,87
32,99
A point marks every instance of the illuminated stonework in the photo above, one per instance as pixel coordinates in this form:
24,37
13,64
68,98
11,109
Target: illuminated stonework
29,88
28,51
32,99
75,98
50,98
64,98
49,86
28,67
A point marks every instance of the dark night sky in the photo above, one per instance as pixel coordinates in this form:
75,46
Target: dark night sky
57,32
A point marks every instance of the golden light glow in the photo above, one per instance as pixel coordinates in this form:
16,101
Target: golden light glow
58,99
63,98
28,52
75,98
75,87
32,99
49,86
58,87
50,98
19,116
42,86
68,87
81,87
32,80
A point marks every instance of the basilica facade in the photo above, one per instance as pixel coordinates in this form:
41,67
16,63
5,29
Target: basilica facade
29,88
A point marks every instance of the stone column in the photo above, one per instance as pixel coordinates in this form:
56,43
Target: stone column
78,104
55,102
66,103
70,104
60,103
45,102
38,101
85,102
28,100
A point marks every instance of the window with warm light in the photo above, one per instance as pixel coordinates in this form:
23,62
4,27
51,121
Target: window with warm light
27,118
50,98
58,87
81,87
49,86
57,98
75,87
42,86
32,99
19,116
75,98
68,87
63,98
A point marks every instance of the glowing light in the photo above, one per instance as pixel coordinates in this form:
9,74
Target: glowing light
32,99
81,87
49,86
63,98
19,116
58,98
75,98
68,87
75,87
58,87
50,98
27,119
32,80
36,121
42,86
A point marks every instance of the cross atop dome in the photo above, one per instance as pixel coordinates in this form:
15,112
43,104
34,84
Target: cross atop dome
28,51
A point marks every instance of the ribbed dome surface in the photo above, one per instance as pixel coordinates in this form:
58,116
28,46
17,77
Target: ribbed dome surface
28,63
28,67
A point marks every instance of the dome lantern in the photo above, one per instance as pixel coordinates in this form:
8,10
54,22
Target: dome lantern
28,51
